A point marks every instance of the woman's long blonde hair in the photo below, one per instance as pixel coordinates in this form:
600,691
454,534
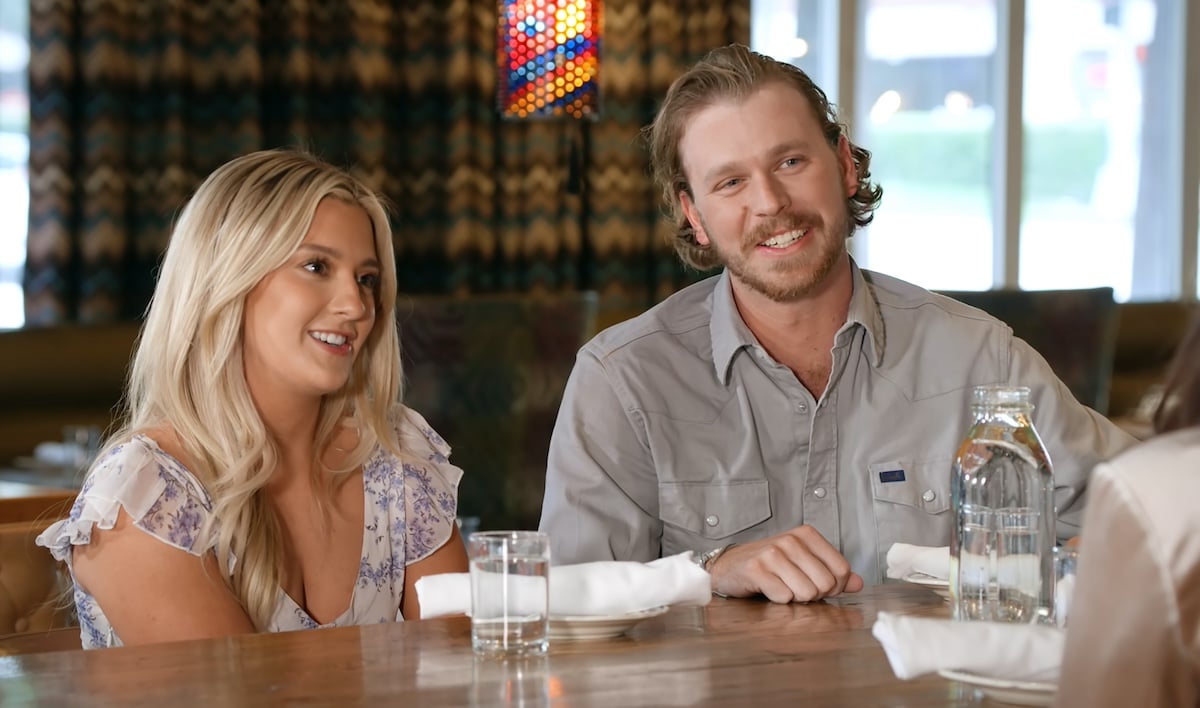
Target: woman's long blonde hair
243,222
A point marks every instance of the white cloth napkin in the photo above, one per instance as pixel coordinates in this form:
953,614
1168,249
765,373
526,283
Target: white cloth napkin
588,589
1012,652
904,559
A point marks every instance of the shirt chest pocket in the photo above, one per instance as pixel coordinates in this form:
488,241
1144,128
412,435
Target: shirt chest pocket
714,510
923,485
912,501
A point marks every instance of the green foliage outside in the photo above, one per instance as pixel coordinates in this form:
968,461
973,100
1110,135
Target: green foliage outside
1061,160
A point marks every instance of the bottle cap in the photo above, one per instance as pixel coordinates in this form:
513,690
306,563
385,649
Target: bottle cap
1000,395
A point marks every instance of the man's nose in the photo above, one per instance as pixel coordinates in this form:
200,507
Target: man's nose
770,196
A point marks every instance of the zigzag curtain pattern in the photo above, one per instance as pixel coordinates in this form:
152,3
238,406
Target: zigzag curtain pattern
133,102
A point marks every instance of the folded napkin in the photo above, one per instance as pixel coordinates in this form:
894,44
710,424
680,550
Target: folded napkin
587,589
904,559
1012,652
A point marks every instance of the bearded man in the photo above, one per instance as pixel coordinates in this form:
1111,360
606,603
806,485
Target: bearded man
791,418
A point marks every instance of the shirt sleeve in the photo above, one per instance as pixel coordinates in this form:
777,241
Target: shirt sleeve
430,487
601,500
161,498
1124,646
1076,437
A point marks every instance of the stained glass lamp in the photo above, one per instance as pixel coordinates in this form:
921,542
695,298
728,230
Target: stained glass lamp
548,58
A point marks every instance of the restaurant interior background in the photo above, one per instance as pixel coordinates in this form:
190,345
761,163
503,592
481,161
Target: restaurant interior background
1031,144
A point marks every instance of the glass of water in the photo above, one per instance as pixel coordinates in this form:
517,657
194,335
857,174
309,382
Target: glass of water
1065,560
510,592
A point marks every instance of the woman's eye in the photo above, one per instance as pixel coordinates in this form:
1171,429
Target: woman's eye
317,267
369,280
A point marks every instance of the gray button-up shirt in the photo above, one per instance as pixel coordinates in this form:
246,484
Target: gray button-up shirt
678,431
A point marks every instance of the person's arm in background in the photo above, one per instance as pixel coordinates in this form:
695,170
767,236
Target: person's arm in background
1077,437
1124,644
601,499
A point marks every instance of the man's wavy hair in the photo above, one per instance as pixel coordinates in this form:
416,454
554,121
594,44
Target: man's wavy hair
245,221
733,73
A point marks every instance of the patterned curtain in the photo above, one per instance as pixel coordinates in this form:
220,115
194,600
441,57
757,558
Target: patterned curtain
135,101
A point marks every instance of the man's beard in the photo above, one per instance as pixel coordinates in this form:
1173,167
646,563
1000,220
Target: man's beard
797,275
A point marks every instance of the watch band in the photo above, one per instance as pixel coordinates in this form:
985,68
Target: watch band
707,558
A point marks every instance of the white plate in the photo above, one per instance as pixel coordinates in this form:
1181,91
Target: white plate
938,585
1021,693
599,626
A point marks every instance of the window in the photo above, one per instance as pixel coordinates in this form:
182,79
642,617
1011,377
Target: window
1048,156
14,159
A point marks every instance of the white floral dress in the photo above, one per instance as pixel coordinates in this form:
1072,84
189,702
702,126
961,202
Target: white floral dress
409,513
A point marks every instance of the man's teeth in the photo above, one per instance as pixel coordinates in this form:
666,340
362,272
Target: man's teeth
336,340
784,239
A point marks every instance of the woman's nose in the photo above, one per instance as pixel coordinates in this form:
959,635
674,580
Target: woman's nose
352,299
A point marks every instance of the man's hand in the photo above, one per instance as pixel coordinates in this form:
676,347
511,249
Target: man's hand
796,566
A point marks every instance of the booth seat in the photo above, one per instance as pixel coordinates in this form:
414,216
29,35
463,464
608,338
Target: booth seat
487,372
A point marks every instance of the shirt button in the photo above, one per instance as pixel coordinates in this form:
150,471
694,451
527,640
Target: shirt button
712,520
929,495
800,407
819,492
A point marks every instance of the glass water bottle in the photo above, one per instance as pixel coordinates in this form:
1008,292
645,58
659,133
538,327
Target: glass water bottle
1001,557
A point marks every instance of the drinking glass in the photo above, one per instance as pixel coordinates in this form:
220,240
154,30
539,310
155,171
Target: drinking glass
1065,560
510,592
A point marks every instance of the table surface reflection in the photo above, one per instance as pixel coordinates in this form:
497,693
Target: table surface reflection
730,653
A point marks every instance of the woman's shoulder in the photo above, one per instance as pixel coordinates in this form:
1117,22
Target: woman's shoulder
1157,481
416,437
160,495
419,485
420,461
1169,459
152,455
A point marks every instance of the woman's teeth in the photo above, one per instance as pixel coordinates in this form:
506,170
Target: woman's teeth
336,340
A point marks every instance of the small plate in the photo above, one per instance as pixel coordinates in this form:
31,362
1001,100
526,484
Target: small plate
599,626
938,585
1020,693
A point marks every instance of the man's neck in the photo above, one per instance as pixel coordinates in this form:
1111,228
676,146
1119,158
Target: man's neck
799,334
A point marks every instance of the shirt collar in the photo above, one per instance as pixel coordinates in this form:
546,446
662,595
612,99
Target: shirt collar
864,310
730,334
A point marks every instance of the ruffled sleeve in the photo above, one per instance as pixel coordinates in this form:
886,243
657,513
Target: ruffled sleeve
161,497
430,486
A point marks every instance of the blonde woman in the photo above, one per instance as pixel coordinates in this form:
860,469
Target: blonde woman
267,479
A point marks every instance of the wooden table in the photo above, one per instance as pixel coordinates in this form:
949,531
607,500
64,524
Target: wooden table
730,653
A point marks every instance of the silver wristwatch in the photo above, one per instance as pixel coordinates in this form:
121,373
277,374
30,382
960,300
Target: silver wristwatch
707,558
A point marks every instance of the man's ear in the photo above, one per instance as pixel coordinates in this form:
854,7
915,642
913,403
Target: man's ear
693,217
849,170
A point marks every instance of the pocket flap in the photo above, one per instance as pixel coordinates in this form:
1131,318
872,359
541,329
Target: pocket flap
924,484
714,510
